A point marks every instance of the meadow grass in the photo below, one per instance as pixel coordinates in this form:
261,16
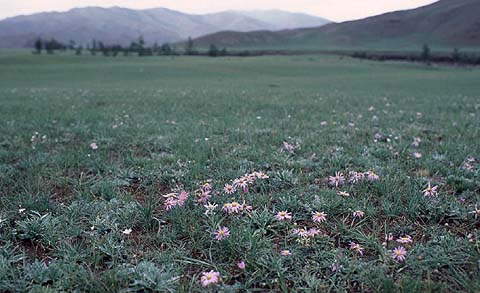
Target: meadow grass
90,146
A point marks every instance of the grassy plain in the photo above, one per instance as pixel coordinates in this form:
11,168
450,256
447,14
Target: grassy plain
169,124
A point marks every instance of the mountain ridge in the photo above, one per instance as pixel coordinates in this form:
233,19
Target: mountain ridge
117,25
445,22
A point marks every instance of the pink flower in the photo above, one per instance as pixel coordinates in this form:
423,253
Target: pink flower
337,180
261,175
289,147
229,189
312,232
371,176
283,215
416,142
417,155
405,239
319,217
170,203
430,191
209,278
235,207
241,265
204,196
302,232
285,252
206,187
182,198
358,214
357,247
399,253
93,146
356,177
222,233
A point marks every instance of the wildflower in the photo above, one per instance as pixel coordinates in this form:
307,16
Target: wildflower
356,177
430,191
302,232
229,189
204,196
127,231
247,208
283,215
323,123
289,147
399,253
416,142
285,252
337,180
358,214
357,247
206,187
417,155
21,211
261,175
222,233
182,198
405,239
235,207
371,176
210,208
343,193
241,265
476,212
170,203
93,146
319,217
312,232
209,278
170,195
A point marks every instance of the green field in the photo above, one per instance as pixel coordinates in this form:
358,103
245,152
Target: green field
166,125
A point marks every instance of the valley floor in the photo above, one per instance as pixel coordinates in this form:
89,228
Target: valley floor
364,176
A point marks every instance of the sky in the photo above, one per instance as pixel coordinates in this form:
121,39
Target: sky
336,10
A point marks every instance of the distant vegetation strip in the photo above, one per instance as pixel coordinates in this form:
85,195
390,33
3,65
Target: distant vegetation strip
139,48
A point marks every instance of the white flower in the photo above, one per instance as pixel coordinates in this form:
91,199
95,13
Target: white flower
210,208
127,231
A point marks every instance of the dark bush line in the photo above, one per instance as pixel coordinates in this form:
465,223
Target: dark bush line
454,58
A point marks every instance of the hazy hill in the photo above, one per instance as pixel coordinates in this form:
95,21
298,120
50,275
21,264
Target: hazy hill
446,22
121,25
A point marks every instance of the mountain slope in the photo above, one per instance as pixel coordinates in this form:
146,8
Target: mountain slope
121,25
446,23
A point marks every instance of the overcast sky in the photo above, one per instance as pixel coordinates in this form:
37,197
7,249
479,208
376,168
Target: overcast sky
337,10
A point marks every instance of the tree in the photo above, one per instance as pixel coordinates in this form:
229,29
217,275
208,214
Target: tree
456,55
189,47
213,51
426,53
78,50
38,46
93,49
166,49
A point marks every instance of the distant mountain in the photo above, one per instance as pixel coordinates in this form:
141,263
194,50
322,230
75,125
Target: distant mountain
120,25
453,23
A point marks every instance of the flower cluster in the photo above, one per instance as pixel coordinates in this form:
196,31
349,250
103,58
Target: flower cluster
355,177
469,164
243,182
173,200
236,208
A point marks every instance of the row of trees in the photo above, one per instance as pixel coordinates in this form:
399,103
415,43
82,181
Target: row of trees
138,47
425,56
